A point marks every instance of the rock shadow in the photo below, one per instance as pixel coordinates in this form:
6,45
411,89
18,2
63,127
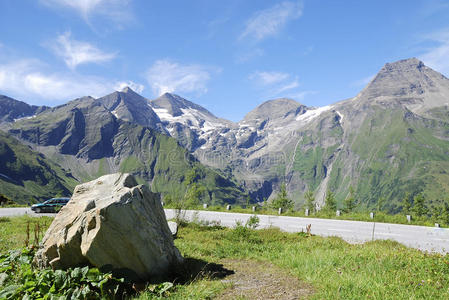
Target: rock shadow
194,269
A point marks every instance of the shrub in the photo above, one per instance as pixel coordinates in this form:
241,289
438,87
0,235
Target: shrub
18,279
253,222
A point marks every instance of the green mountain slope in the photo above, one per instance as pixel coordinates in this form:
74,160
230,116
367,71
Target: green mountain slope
393,140
27,176
399,152
86,138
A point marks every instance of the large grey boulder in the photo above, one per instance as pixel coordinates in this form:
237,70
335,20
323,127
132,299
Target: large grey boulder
111,221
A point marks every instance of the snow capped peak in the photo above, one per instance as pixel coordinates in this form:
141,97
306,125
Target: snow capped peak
172,108
174,103
190,117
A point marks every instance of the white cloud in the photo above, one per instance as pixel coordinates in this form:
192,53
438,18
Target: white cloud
26,78
116,10
278,84
136,87
270,21
168,76
264,78
288,86
75,52
437,57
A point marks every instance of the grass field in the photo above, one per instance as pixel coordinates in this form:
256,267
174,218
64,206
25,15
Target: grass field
336,269
328,268
13,231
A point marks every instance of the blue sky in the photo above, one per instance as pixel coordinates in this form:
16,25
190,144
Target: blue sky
228,56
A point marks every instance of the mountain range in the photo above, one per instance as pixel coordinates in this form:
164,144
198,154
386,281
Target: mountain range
390,139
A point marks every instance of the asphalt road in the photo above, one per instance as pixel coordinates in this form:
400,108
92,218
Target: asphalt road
19,211
430,239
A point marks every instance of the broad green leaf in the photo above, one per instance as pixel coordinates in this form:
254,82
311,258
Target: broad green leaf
93,274
84,271
60,279
76,274
29,286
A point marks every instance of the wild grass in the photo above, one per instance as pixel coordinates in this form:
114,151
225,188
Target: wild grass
14,233
332,267
199,289
336,269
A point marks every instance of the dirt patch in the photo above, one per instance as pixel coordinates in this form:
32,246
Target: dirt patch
261,280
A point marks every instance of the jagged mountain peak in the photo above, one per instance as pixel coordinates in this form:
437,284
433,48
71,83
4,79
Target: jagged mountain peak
129,93
124,97
130,106
273,109
407,76
412,62
184,118
405,70
407,82
127,89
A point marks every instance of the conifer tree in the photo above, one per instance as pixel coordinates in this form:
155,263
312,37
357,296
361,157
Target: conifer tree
329,202
419,206
406,205
310,199
350,200
282,200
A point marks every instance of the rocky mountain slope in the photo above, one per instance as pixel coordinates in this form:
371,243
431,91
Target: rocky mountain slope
120,132
389,139
11,109
188,122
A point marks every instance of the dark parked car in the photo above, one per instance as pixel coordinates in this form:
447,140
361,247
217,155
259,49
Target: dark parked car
51,205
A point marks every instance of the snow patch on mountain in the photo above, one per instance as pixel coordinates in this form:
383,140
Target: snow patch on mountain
163,114
24,118
312,113
340,115
191,118
114,112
